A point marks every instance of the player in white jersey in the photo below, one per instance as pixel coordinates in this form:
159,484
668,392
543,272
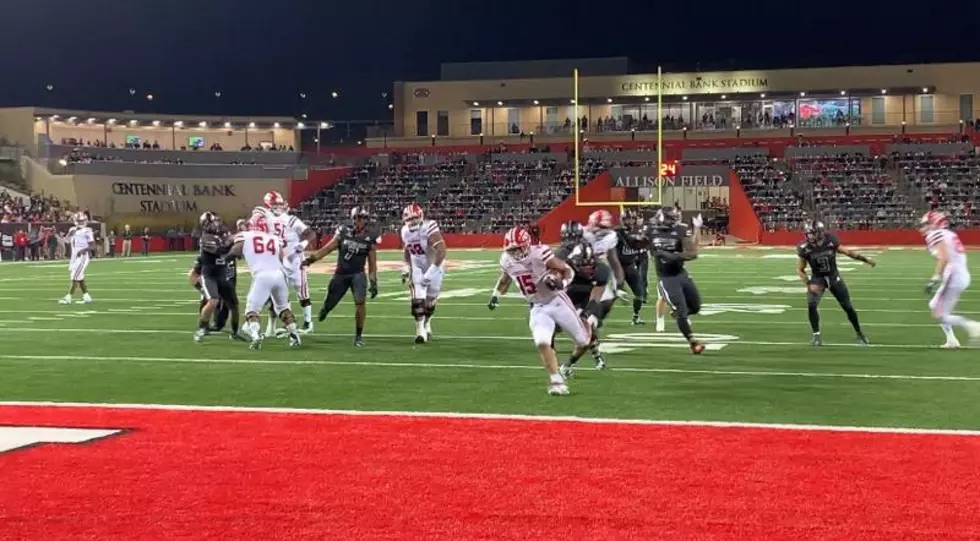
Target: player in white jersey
296,237
82,242
424,252
264,254
542,278
950,280
601,236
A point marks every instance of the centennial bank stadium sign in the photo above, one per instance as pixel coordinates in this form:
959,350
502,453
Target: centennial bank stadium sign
696,84
170,198
692,176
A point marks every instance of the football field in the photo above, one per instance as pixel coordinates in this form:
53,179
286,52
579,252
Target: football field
763,436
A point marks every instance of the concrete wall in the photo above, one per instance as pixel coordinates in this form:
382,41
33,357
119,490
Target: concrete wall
16,124
168,138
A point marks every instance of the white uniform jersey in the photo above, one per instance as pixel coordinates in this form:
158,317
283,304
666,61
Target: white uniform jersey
261,252
80,239
529,273
416,242
955,252
601,241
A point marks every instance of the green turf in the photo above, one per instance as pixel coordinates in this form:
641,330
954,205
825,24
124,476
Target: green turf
134,344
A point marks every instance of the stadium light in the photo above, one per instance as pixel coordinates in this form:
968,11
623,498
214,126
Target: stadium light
149,97
646,98
476,104
275,125
724,97
390,107
324,125
300,126
111,121
54,117
49,87
500,104
227,124
884,91
179,124
251,124
608,100
843,92
572,102
72,119
302,95
133,122
925,90
202,124
802,94
156,123
684,98
91,120
763,95
334,94
63,162
303,115
536,102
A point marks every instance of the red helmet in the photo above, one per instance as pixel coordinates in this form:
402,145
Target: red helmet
275,202
517,242
412,215
600,218
257,223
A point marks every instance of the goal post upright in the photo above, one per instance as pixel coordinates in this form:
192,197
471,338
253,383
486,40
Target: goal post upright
576,130
660,135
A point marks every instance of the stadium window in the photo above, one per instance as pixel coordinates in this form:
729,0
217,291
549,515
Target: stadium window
421,123
442,123
824,113
552,124
877,110
927,111
476,121
513,121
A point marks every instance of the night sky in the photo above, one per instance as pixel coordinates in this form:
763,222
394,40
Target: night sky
261,54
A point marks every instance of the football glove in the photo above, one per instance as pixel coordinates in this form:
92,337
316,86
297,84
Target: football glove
406,271
373,288
431,273
494,302
697,221
932,285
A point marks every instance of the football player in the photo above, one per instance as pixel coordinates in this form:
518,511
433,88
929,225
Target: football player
424,252
819,252
215,284
585,290
264,254
356,245
542,278
296,237
672,244
950,279
631,250
82,247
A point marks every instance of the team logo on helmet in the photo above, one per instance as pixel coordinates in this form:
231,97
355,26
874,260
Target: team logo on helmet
517,242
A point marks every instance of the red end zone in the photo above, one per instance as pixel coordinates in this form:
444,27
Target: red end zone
262,476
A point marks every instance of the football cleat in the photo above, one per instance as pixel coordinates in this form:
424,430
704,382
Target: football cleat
65,300
420,339
558,389
600,362
697,348
950,344
237,337
294,341
637,320
428,330
817,340
567,370
86,299
358,342
863,340
323,313
199,335
307,327
281,332
256,344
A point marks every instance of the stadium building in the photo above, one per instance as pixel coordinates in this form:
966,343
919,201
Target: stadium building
498,99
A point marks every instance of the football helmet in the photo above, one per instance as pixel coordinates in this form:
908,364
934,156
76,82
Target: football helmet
814,230
210,223
241,225
667,217
571,231
932,221
601,218
258,223
582,259
275,203
80,219
413,215
359,212
517,243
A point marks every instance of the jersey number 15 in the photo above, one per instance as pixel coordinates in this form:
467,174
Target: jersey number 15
526,284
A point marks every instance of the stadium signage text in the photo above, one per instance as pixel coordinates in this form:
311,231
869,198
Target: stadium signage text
691,177
733,84
172,197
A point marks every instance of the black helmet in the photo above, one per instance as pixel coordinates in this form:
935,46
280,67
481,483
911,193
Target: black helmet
814,230
582,258
667,217
210,222
571,231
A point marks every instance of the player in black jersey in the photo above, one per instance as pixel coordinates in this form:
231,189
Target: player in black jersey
819,251
589,282
672,244
632,252
215,283
356,246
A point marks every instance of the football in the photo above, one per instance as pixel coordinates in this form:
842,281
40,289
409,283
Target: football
553,279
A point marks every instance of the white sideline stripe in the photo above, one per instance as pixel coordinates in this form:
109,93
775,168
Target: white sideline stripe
503,417
638,345
471,366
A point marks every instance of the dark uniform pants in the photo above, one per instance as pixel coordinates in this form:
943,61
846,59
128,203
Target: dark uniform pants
834,284
636,279
219,288
340,284
681,294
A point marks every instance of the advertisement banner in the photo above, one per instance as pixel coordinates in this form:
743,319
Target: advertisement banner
691,176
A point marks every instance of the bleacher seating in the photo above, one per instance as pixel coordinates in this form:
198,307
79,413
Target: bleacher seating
855,192
777,203
950,183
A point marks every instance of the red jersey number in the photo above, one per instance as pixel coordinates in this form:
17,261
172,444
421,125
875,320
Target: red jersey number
415,249
280,230
526,283
260,246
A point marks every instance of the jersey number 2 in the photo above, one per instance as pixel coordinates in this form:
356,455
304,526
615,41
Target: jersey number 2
259,247
526,284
